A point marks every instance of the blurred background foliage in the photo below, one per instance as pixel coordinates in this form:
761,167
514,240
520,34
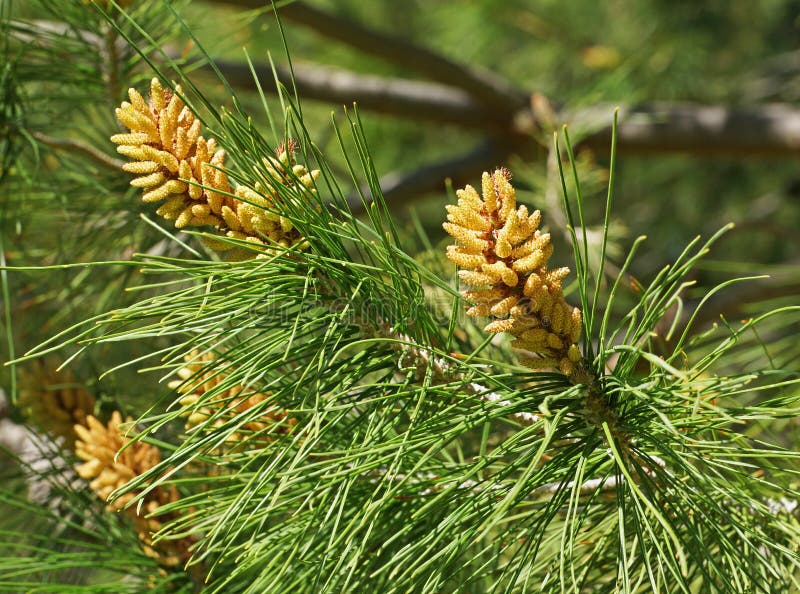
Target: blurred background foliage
64,69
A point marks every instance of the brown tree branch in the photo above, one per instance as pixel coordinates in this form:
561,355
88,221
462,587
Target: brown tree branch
71,145
706,130
765,130
709,131
460,170
393,96
485,86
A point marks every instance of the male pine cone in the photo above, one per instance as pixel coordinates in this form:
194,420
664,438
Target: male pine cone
175,165
108,465
503,256
54,401
207,402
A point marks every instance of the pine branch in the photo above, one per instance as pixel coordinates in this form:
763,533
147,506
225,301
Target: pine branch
111,62
485,86
444,371
42,463
71,145
697,129
399,186
391,96
704,130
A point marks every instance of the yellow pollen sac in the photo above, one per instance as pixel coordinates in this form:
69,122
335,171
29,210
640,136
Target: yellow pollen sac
171,208
538,363
502,248
482,310
138,102
476,279
489,196
566,366
484,296
134,152
148,181
533,285
577,324
133,139
468,198
537,242
141,167
184,218
465,260
466,237
528,263
502,271
157,194
498,326
503,307
557,275
535,335
467,218
558,317
554,342
163,158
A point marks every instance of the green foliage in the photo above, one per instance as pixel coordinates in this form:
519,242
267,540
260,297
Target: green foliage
669,465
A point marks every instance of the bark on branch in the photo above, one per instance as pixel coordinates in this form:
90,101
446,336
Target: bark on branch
392,96
431,178
765,130
488,88
705,130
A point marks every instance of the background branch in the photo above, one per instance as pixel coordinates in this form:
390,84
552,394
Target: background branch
431,178
705,130
71,145
764,130
392,96
488,88
39,458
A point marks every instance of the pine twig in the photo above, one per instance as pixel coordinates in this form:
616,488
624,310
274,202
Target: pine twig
63,144
111,56
461,169
391,96
444,371
485,86
43,465
705,130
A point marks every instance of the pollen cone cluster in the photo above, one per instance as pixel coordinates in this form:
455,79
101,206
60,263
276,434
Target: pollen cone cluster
108,467
54,401
200,377
184,172
503,258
